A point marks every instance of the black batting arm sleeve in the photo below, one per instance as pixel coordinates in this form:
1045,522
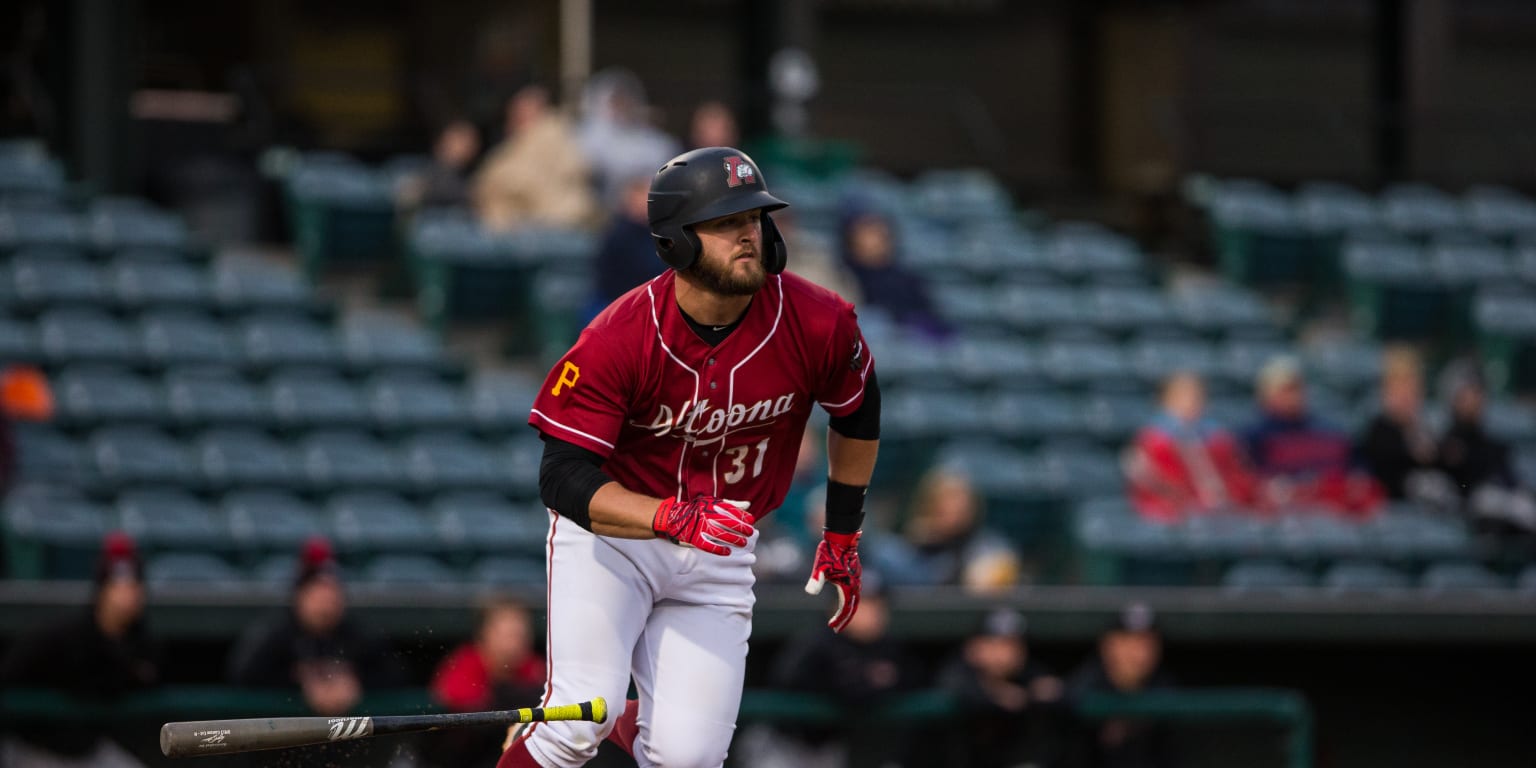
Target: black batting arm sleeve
864,422
569,475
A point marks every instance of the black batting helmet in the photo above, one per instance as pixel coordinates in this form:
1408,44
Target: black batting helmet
706,184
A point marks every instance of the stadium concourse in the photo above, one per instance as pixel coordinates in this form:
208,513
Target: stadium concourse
222,407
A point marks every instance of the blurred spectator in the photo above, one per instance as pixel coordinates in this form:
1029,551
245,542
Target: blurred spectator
616,132
1128,661
314,646
869,250
1302,461
497,670
97,655
1010,700
24,396
1397,446
627,256
1479,464
445,182
713,125
537,175
859,668
946,543
811,257
1183,463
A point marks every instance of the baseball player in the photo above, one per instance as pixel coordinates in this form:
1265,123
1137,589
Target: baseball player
669,429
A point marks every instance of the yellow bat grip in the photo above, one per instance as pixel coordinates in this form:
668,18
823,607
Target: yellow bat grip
595,711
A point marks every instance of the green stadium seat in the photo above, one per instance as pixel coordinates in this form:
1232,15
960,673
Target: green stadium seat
1035,309
990,361
310,398
134,455
351,460
418,571
1078,362
1078,469
1258,234
1469,261
1393,288
1348,365
167,519
249,282
278,570
969,306
447,460
1404,532
22,228
1226,536
29,172
232,457
136,225
957,196
375,521
266,519
286,339
1419,209
1124,310
1153,358
1265,576
405,400
1364,576
1460,577
90,395
477,521
86,335
1304,535
1497,211
1029,417
1082,251
200,396
373,340
904,362
522,452
1002,251
1242,359
18,341
1120,547
509,571
1510,420
52,533
1219,310
41,278
140,283
1526,581
1330,208
181,337
185,569
1113,417
1506,329
501,401
928,413
341,214
44,453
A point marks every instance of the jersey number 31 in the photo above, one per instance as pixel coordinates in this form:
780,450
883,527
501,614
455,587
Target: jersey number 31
739,460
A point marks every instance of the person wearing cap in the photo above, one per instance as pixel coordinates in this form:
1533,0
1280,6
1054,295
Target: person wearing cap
314,646
1012,701
97,654
1480,465
1302,461
1128,660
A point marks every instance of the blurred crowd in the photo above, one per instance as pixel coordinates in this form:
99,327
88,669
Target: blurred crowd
1017,710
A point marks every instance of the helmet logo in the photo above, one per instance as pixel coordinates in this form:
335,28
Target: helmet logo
739,172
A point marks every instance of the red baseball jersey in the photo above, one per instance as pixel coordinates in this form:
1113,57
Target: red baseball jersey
676,417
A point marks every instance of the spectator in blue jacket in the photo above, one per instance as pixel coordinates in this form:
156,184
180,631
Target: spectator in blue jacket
869,249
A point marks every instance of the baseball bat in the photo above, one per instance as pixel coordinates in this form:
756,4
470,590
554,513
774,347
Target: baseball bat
223,737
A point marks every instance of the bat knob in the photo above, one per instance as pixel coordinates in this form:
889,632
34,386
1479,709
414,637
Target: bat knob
599,710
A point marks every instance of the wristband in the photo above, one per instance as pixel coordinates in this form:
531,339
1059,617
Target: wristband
845,506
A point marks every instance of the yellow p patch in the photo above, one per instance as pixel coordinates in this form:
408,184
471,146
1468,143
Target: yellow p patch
568,376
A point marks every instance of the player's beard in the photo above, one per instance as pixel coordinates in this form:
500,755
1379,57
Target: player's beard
724,280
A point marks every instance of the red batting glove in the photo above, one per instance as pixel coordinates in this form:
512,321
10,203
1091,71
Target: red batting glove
837,561
711,524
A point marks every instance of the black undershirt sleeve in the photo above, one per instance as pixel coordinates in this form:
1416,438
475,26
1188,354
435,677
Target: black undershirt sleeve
864,422
569,476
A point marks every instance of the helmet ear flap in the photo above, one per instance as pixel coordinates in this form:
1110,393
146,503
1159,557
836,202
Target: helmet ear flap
775,254
677,246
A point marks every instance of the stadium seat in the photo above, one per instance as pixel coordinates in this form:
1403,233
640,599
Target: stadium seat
276,571
177,569
1469,261
1526,581
309,398
18,341
447,460
509,571
168,518
409,570
44,453
286,339
1405,532
136,226
406,399
1510,420
1029,417
1219,310
1077,469
1419,209
140,455
270,520
46,277
86,335
1153,358
486,522
182,337
201,396
248,282
1114,418
1035,309
52,533
372,521
1497,211
91,395
1304,535
523,451
998,362
139,283
372,340
1079,250
966,305
1075,362
1124,310
43,228
350,459
1256,576
233,457
1330,208
957,196
1459,577
1393,288
1226,536
1350,366
1357,576
341,214
498,402
1120,547
1242,359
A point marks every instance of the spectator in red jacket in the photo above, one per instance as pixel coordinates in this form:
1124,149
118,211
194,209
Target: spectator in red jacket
1183,463
499,669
